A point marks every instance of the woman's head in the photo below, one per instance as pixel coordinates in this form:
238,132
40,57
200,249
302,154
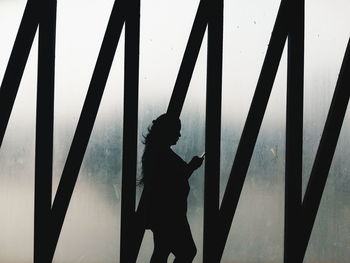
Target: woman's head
164,131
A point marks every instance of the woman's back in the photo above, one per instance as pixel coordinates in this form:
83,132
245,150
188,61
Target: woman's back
166,187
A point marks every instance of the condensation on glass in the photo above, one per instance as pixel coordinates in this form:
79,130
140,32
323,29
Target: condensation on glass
92,226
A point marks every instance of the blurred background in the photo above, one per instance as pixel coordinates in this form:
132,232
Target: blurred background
92,226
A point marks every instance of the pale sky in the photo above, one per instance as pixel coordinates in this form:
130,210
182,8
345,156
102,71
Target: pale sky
247,29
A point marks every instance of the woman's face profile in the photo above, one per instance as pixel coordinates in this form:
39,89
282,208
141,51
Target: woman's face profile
174,133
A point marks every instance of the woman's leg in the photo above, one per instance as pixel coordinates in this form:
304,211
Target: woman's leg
183,247
161,249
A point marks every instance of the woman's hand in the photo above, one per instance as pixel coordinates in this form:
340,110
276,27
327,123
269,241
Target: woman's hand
196,162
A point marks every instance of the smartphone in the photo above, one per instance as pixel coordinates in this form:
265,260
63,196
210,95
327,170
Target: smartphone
202,155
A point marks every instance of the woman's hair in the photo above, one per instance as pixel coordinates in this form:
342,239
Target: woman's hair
157,136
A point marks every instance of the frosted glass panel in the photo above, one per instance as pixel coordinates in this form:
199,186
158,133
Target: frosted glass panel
92,226
91,231
325,43
17,150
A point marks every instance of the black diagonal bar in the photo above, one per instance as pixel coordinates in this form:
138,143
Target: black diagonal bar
44,129
294,131
130,231
189,60
213,131
325,152
18,59
252,125
86,121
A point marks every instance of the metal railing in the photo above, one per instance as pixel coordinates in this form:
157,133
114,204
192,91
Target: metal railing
299,214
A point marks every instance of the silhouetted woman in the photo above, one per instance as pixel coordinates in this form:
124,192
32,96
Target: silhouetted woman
165,181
